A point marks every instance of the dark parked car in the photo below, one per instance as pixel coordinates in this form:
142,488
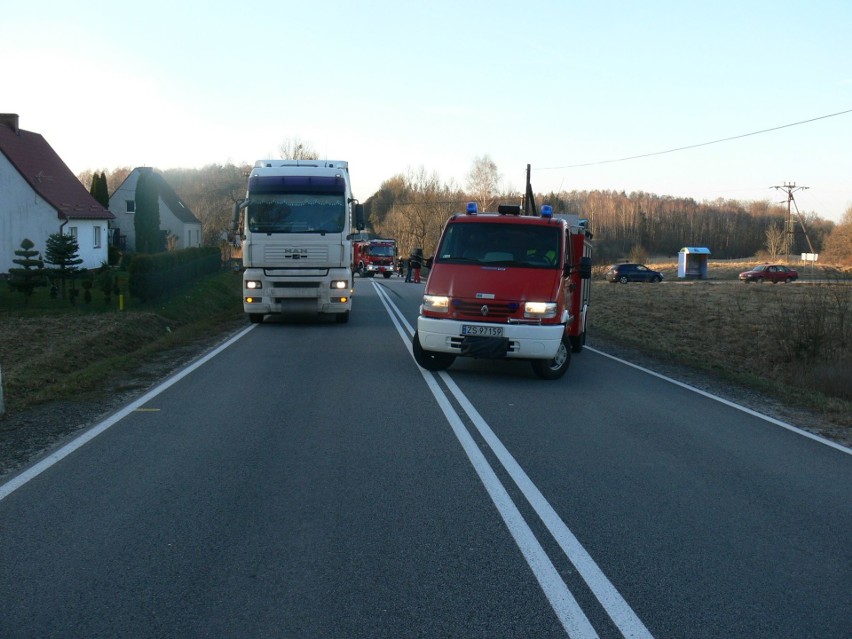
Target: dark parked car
624,273
769,273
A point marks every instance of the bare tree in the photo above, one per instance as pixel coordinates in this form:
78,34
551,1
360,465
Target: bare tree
296,149
483,182
774,241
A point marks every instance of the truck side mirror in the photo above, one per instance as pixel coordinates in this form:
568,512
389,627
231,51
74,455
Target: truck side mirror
359,217
585,268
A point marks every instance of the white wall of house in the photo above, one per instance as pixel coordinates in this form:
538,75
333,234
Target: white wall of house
188,235
118,204
25,214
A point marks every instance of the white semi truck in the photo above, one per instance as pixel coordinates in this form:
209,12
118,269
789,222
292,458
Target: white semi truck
296,227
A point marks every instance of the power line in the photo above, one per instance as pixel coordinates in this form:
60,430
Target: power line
693,146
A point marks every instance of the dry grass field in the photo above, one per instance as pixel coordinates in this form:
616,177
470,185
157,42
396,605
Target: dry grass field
788,341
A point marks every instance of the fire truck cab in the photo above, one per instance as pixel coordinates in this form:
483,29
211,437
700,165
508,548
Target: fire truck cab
507,286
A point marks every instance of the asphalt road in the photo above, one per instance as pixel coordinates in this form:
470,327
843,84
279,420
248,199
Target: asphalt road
309,480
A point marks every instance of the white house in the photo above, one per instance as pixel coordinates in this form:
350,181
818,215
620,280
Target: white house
176,220
39,196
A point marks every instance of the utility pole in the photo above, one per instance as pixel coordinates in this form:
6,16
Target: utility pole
789,188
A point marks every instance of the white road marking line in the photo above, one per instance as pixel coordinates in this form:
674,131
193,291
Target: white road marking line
726,402
34,471
570,615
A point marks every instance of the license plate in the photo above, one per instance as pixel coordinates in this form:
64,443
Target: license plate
483,331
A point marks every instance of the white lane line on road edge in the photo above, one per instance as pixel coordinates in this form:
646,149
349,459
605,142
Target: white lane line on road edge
34,471
729,403
606,593
570,615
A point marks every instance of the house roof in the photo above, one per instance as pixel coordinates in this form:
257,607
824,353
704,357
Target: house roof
173,201
48,175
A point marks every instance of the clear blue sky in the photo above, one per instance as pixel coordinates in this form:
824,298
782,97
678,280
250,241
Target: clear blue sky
391,85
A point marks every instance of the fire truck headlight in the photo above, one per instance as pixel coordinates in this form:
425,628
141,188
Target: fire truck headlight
254,284
540,310
436,303
339,284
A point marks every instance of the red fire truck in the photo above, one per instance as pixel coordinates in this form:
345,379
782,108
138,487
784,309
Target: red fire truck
374,256
507,286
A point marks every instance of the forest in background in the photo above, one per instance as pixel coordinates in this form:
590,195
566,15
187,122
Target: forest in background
413,207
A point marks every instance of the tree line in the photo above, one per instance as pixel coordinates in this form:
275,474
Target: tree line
413,206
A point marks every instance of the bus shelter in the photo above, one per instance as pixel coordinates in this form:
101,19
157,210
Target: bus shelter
692,262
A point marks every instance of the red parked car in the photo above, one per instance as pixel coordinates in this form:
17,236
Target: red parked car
770,273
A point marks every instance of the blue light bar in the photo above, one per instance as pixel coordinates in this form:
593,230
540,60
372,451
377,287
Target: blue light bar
471,208
546,210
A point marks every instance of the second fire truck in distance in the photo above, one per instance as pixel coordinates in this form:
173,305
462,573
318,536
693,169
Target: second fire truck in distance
372,257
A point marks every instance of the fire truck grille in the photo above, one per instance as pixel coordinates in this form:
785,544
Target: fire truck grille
480,309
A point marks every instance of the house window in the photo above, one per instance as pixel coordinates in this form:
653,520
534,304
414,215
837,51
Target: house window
72,231
97,237
131,206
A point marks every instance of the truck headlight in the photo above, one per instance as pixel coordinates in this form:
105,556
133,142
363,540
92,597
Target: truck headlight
339,284
540,310
436,303
254,284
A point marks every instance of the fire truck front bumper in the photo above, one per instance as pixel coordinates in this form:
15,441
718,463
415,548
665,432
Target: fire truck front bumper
482,339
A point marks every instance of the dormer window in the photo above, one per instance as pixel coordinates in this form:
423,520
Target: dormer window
131,206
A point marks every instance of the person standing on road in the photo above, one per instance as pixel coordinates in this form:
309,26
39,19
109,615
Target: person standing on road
415,264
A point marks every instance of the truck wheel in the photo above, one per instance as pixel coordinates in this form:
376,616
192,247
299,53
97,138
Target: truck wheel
430,360
255,318
387,274
556,367
342,318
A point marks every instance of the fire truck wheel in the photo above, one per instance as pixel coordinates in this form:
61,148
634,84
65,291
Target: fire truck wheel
430,360
556,367
387,274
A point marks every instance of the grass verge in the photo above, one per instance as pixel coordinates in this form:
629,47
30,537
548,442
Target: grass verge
790,342
50,350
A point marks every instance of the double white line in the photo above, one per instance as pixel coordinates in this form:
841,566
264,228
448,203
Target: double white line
571,616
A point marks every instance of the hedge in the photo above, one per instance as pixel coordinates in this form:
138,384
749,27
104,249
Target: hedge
153,276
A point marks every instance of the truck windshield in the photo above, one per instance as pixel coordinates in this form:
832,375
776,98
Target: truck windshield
381,251
501,245
296,213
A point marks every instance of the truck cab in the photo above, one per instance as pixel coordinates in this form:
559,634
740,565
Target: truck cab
506,286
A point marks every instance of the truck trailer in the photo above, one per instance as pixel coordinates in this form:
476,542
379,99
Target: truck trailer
296,226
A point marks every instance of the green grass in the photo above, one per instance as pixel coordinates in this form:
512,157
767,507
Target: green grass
51,349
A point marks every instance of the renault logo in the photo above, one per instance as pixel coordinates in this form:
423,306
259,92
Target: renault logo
484,310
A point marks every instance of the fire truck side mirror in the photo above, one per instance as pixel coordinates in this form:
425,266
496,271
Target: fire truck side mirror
585,268
359,217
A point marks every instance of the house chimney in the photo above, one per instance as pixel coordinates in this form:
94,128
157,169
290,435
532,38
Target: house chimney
10,120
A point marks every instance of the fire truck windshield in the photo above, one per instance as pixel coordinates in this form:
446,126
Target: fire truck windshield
530,246
381,251
296,213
